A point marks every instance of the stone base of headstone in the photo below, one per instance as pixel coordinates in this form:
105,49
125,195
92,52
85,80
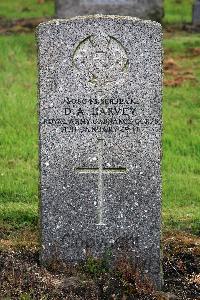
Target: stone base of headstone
145,9
191,28
196,13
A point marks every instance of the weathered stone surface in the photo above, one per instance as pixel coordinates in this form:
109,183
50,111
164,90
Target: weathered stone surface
196,13
100,88
136,8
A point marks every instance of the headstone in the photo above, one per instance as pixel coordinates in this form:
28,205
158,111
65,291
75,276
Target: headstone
196,13
100,88
137,8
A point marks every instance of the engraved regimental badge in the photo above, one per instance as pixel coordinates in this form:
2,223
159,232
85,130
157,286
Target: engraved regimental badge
102,61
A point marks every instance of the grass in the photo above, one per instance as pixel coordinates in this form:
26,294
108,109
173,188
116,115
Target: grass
17,9
18,144
181,139
178,11
18,125
18,152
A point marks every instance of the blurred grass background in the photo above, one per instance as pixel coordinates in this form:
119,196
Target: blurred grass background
16,9
18,120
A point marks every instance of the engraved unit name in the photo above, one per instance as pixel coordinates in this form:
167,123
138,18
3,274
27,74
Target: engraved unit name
106,115
104,111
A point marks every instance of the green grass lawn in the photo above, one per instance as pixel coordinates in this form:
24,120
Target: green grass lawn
19,150
18,131
181,138
15,9
178,11
18,122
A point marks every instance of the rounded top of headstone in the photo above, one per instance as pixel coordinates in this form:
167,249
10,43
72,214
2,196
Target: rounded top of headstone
101,17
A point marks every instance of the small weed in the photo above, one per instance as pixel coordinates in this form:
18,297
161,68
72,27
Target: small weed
25,296
96,267
132,277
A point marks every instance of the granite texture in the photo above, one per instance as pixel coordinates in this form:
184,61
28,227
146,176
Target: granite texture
100,93
136,8
196,13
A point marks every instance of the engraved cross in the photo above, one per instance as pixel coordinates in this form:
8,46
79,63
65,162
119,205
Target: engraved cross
100,170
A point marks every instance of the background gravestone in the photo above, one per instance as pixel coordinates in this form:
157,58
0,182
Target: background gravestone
196,13
137,8
100,88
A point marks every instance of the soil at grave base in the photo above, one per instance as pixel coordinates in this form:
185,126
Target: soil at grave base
20,25
22,277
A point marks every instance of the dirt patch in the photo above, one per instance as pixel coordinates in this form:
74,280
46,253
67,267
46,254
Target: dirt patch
22,276
177,75
181,265
20,26
194,51
172,29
